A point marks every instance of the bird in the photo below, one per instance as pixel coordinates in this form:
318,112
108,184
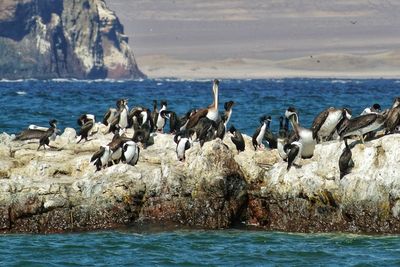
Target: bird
101,157
362,125
205,130
345,160
86,121
174,123
258,136
45,138
130,153
228,106
375,108
293,151
237,139
324,125
161,120
122,116
162,116
142,135
183,142
222,124
211,112
35,132
283,127
303,135
116,146
154,113
281,142
393,117
271,138
111,113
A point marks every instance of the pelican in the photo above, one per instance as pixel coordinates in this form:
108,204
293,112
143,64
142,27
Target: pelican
363,124
211,112
325,123
393,117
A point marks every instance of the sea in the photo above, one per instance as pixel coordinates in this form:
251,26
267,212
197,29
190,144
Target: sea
25,102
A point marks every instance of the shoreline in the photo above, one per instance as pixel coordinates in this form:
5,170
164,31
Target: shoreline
57,191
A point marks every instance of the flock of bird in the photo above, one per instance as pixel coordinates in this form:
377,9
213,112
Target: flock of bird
208,123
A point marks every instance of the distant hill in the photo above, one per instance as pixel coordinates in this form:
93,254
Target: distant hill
80,39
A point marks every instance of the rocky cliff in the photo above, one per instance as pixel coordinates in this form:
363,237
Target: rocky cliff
63,39
58,190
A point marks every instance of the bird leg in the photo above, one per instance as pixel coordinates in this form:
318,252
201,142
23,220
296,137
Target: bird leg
362,139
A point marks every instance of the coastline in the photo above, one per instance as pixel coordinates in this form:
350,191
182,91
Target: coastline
57,191
160,66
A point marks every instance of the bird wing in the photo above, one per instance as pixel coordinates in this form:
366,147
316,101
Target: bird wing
318,122
254,139
359,122
86,127
29,134
98,154
194,119
106,116
238,140
294,150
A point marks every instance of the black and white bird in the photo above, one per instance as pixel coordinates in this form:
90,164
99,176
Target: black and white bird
237,139
345,161
303,135
130,153
293,152
162,117
101,157
375,108
47,135
121,118
161,120
183,142
86,123
259,134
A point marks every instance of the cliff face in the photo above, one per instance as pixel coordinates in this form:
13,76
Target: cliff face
63,39
59,190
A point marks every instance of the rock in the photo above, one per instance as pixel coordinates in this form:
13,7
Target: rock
63,39
59,190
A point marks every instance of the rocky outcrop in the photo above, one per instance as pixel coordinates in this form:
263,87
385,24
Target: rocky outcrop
59,190
63,39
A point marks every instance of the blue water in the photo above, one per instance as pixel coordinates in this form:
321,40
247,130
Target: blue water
199,248
26,102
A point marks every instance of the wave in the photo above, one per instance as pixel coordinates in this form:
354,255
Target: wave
340,81
17,80
21,93
71,80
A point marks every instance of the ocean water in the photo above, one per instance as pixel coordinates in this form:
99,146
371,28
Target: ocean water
36,102
199,248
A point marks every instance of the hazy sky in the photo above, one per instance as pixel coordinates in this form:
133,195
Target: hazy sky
262,29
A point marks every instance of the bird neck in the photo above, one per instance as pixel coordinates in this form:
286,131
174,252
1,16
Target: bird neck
294,122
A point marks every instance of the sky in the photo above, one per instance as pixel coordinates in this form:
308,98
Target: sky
271,30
